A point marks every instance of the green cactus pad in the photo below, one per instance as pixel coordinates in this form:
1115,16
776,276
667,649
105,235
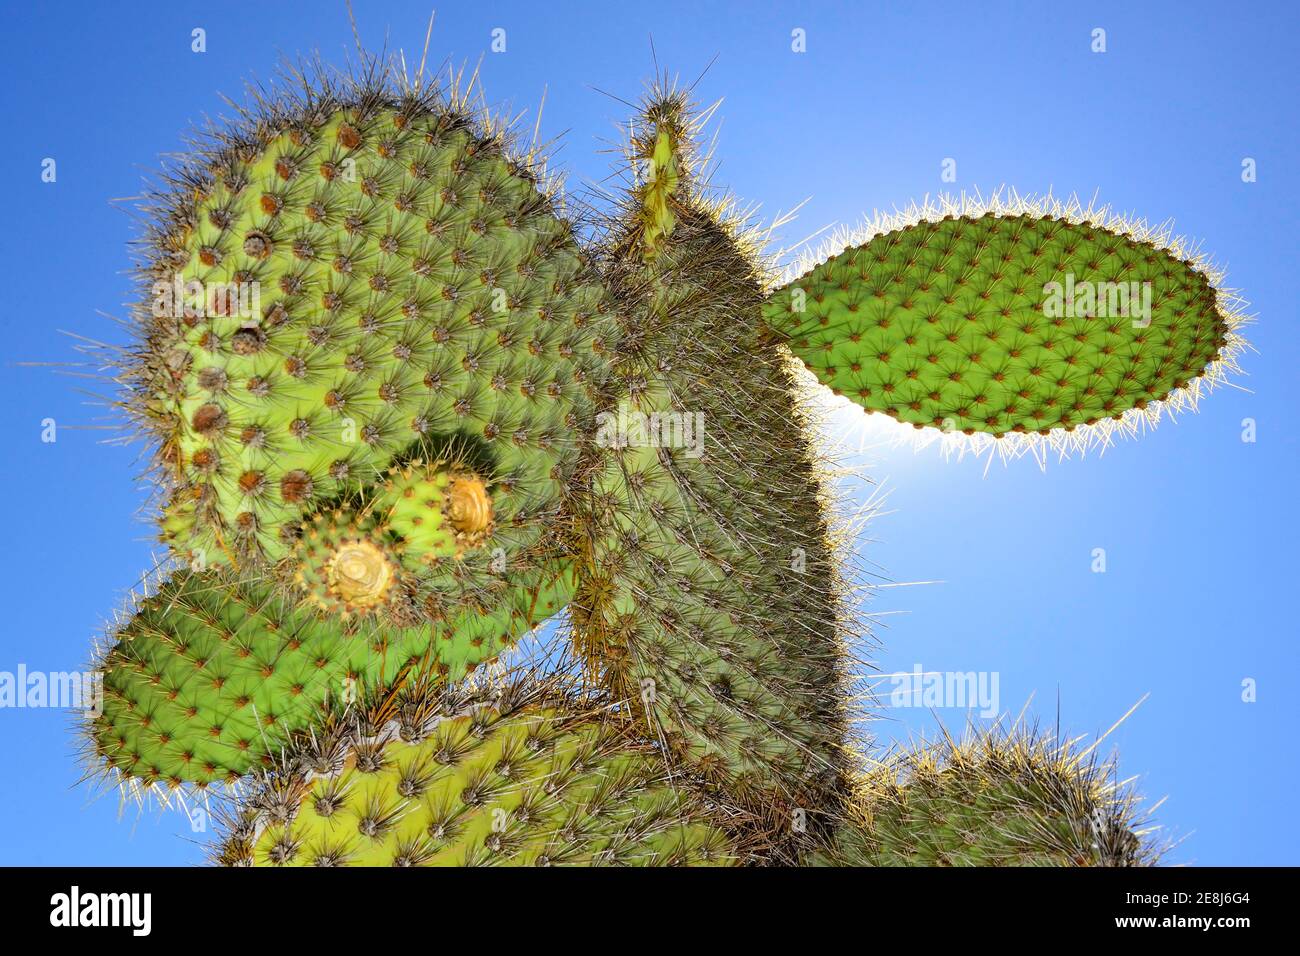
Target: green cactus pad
1014,320
414,285
663,177
992,799
708,596
210,676
445,781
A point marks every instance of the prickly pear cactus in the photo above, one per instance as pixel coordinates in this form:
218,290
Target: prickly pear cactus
347,563
401,553
438,510
403,411
1012,318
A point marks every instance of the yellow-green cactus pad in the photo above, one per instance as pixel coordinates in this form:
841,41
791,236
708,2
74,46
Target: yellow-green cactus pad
439,780
438,509
347,564
708,595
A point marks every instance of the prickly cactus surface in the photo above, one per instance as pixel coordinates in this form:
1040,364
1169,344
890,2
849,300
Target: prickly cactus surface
402,553
403,411
708,593
992,799
440,779
211,676
379,279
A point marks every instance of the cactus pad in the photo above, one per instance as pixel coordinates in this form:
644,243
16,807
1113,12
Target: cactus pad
992,799
210,676
389,275
1022,319
438,779
708,595
357,559
346,564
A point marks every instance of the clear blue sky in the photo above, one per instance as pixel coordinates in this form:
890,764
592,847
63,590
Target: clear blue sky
1199,528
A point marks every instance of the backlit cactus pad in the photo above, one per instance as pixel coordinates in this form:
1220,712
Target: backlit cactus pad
1012,317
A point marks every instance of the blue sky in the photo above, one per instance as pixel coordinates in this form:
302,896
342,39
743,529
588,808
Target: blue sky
1199,527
